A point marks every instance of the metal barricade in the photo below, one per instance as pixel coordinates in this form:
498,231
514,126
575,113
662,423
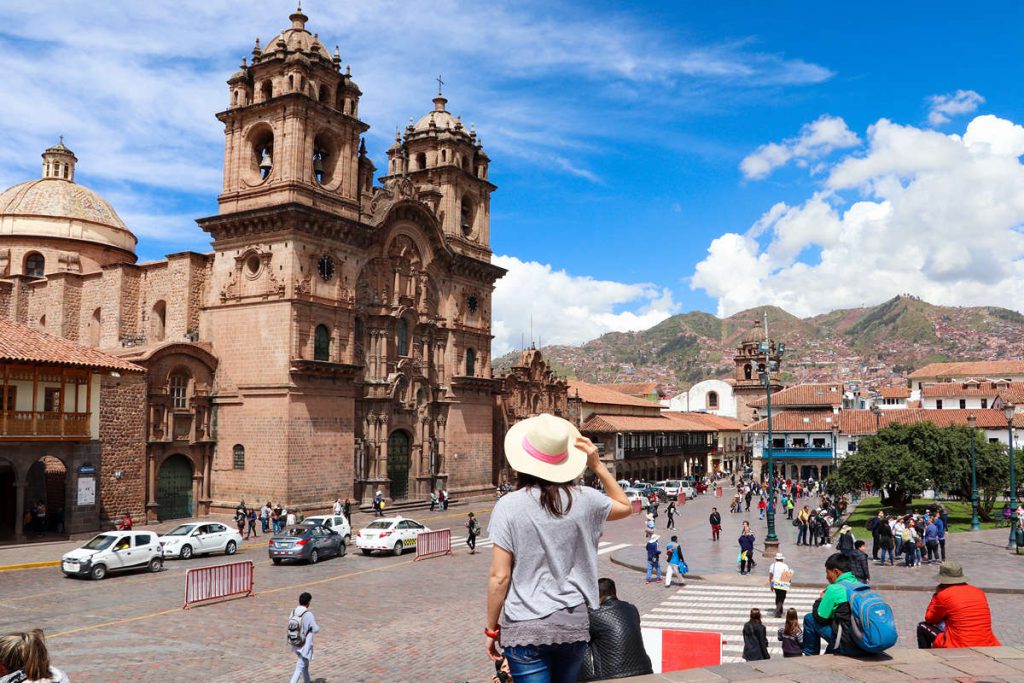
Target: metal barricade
218,581
433,544
638,506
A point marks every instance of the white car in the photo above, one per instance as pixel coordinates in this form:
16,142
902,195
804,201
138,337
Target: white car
688,491
393,534
671,487
336,522
114,551
200,538
637,494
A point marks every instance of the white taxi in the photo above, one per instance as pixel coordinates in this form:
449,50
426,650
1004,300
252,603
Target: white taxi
114,551
200,538
393,534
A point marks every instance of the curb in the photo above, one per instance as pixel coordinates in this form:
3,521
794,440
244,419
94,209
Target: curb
29,565
805,584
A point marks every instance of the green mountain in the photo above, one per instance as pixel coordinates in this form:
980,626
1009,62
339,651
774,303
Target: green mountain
875,345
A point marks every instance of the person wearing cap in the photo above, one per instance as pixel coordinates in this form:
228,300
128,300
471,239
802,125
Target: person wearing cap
780,576
543,576
958,614
653,558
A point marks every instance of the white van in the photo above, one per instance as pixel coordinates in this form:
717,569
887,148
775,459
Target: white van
114,551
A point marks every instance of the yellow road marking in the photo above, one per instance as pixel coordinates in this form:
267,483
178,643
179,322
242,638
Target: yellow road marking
30,565
178,610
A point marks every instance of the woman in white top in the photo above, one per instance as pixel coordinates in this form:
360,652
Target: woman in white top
779,578
543,575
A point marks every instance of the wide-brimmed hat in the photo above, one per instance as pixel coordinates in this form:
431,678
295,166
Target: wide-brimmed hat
544,446
844,529
950,573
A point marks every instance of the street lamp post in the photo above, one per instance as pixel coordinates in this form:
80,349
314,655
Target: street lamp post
771,539
835,448
1008,411
972,424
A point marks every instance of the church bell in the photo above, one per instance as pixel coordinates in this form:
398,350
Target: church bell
265,161
318,162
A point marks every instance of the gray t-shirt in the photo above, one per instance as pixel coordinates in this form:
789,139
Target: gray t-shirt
555,558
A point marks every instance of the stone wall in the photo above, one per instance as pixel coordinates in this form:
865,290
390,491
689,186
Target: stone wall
123,439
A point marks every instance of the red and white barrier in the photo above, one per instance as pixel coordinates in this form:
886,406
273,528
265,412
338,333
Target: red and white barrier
218,581
671,650
718,491
433,544
637,506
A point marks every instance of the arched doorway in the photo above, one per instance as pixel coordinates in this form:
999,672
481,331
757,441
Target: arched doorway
45,495
8,476
174,488
398,463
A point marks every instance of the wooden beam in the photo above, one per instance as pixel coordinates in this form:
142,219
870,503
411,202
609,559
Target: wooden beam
88,404
35,397
62,398
6,408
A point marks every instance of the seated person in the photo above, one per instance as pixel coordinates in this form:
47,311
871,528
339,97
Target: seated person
958,615
831,612
616,648
123,543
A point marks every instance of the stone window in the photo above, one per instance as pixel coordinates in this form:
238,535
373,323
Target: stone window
322,343
402,337
238,456
35,264
712,400
938,404
421,161
158,320
179,390
470,362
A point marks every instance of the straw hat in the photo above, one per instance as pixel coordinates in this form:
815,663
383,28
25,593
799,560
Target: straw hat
950,573
544,446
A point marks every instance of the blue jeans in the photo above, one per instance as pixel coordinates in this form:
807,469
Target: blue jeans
559,663
652,566
814,633
888,551
801,536
301,669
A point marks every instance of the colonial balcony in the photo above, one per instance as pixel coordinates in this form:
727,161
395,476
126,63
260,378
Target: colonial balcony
19,425
800,452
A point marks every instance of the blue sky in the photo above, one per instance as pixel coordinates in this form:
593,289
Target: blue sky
627,139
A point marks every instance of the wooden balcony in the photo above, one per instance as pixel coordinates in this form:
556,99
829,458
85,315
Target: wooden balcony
27,424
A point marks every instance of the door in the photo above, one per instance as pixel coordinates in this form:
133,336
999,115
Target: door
398,464
174,488
120,554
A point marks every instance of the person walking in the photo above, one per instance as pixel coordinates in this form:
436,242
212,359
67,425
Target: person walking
674,561
445,500
958,614
653,559
859,563
875,525
670,514
845,541
547,528
337,507
378,504
433,500
289,518
931,540
746,542
780,578
472,531
803,519
789,507
762,505
715,520
886,543
252,524
265,517
126,522
346,509
791,635
940,525
240,520
278,518
301,627
755,638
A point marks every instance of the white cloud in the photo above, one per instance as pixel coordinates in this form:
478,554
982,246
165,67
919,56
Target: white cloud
937,215
816,139
569,309
941,108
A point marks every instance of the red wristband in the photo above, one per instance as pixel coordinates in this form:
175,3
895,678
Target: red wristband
492,634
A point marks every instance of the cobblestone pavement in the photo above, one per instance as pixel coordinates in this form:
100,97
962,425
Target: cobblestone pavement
383,619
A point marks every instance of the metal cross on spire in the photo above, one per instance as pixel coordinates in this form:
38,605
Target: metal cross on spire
439,84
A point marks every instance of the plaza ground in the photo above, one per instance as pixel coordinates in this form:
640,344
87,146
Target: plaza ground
390,619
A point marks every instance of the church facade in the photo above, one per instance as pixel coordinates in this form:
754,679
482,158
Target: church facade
335,342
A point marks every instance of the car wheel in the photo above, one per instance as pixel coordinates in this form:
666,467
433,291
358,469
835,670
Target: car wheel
156,564
186,552
277,560
230,548
364,551
314,557
342,550
99,572
397,550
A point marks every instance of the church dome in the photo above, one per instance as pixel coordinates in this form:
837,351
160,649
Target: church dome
440,120
297,39
56,207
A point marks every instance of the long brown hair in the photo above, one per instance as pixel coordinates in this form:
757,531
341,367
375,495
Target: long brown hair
27,652
792,622
755,615
550,493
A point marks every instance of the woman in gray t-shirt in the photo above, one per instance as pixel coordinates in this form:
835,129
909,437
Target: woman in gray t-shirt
543,575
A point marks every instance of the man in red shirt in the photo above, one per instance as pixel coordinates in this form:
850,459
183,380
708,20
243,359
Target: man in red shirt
958,615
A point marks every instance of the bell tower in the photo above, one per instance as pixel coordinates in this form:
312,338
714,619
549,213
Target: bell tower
438,153
292,128
757,357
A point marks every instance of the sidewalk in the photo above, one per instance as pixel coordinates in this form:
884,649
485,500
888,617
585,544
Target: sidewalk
983,554
989,664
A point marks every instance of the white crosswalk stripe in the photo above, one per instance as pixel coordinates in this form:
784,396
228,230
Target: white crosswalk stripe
725,609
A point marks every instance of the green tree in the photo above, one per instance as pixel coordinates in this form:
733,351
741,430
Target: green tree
887,462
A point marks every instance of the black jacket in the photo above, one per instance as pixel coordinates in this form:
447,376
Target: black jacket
715,519
616,648
755,642
860,565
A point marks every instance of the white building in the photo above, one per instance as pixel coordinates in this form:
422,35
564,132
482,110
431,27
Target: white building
714,396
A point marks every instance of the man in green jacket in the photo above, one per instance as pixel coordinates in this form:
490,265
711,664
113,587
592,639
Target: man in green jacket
831,612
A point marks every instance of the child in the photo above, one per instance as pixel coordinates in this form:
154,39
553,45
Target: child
791,635
653,558
755,638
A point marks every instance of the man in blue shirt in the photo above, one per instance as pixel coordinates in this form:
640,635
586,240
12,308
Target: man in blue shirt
653,561
940,524
931,538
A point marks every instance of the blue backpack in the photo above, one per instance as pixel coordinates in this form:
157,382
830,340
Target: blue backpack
872,622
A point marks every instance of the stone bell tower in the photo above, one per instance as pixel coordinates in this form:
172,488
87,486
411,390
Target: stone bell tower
751,360
292,128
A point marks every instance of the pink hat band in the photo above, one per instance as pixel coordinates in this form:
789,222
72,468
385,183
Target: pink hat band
548,458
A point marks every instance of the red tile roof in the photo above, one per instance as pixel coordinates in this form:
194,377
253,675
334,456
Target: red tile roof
984,368
894,392
944,389
21,344
804,395
719,423
595,393
856,422
666,422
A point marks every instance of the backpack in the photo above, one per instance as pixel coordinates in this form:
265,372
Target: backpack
296,632
872,624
